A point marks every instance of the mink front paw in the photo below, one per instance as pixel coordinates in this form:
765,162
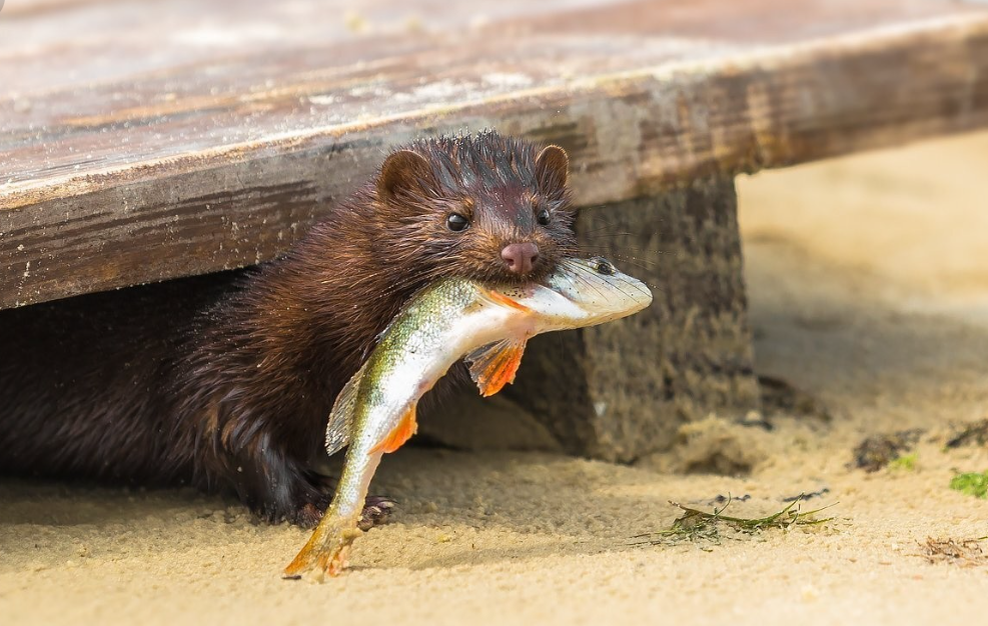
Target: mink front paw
377,510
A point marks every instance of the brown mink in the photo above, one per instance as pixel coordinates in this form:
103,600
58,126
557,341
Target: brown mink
230,388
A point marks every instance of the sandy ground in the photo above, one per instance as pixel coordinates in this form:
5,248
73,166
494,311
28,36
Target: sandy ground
869,289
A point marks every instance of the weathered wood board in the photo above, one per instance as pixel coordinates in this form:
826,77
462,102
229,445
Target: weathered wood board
142,141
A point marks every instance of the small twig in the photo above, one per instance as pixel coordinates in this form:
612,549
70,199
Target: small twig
964,552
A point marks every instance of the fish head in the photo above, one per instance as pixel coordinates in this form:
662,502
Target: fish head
591,291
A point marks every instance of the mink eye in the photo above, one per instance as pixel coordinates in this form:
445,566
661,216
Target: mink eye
456,222
543,217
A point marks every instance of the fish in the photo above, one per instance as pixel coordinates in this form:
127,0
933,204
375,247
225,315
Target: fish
453,318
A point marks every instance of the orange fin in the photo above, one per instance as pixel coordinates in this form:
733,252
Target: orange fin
494,365
504,300
399,434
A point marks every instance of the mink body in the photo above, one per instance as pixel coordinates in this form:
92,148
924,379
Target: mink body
228,387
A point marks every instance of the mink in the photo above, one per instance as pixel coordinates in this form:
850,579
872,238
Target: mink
227,385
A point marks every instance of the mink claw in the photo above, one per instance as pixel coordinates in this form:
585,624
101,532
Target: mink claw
377,510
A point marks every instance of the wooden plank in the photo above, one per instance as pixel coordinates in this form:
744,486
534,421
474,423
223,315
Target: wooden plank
203,142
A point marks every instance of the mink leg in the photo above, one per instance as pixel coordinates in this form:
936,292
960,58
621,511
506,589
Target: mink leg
278,486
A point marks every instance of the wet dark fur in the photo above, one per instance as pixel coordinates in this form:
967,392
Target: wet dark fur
230,387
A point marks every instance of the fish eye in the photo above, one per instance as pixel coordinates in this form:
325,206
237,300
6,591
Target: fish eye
543,217
456,222
602,266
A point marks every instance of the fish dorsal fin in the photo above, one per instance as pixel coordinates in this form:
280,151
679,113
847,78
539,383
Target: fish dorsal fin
493,366
340,427
401,433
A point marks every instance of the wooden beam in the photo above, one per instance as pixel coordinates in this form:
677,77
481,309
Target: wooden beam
207,165
622,390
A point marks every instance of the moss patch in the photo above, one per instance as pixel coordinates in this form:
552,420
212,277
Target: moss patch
971,483
905,463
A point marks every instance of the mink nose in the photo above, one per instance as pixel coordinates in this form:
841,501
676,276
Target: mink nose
520,257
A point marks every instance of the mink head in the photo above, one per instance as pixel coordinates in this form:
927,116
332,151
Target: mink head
485,207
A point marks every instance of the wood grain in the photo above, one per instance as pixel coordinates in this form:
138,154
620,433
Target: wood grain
147,140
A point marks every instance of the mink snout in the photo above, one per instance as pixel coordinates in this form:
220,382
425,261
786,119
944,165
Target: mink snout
520,257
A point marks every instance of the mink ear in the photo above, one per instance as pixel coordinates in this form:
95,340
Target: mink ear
552,167
403,171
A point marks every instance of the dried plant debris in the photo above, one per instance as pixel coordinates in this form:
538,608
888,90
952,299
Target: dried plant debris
964,552
877,451
722,499
696,525
781,397
974,434
806,496
971,483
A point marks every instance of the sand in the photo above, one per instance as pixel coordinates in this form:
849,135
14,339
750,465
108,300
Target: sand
869,291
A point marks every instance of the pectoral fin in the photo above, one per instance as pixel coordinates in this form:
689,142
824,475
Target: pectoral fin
340,427
503,300
494,365
399,434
